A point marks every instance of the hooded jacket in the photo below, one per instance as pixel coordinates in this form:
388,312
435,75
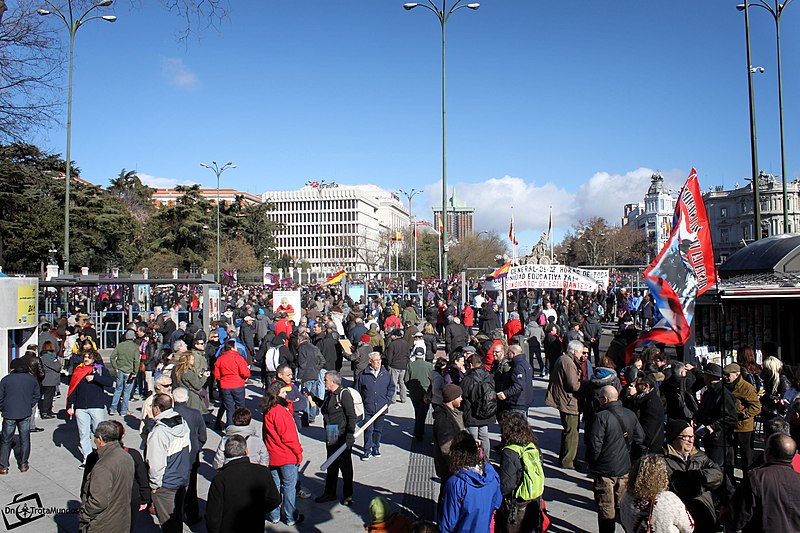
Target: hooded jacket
469,500
256,450
168,452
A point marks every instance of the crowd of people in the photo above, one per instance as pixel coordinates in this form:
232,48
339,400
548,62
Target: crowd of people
660,437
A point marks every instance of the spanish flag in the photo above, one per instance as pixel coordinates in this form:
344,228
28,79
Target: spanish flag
336,277
501,272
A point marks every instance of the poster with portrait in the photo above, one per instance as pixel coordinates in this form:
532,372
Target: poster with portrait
287,302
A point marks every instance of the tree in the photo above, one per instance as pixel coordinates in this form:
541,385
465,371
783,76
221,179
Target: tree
236,254
30,56
594,243
476,250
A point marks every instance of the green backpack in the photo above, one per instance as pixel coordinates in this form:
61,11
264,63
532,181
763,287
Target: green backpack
532,484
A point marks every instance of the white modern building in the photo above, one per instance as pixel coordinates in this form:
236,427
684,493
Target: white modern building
653,215
334,227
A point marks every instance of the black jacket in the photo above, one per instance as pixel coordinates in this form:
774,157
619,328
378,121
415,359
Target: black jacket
197,427
240,496
608,451
309,362
471,395
680,401
397,354
693,479
650,411
455,336
327,345
717,410
519,394
19,392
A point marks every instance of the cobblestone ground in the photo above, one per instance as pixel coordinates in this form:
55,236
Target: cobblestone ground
404,474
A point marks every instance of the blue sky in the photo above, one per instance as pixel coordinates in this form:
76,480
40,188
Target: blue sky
565,103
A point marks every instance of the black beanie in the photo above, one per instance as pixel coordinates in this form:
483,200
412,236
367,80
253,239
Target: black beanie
674,428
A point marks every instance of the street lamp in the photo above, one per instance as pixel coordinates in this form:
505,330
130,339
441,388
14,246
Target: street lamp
753,145
410,196
72,26
776,13
443,15
216,169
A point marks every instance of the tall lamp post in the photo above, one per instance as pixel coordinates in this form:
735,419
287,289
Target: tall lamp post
410,196
776,13
216,169
443,14
72,26
753,145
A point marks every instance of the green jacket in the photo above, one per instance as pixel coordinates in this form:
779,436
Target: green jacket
194,384
125,357
418,378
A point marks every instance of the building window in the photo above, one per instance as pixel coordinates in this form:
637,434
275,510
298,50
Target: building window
723,212
723,235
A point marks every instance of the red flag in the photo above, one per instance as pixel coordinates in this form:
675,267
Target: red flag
683,270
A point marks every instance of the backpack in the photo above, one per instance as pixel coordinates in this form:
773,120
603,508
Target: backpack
358,401
531,485
272,358
486,404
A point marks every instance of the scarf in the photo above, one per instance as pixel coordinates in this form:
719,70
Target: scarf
80,372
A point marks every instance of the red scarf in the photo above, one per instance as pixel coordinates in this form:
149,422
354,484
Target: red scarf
80,372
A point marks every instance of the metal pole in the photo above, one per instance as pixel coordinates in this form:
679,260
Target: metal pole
319,228
753,144
219,279
72,29
778,10
444,153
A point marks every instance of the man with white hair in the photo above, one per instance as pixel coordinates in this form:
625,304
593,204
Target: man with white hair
562,393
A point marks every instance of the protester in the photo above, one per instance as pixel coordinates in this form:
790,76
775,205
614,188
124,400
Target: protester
169,463
385,521
52,378
648,506
125,362
232,371
241,494
397,357
562,393
479,402
339,416
521,477
376,387
106,492
518,396
19,393
418,381
748,407
86,398
243,426
197,437
285,452
448,421
472,493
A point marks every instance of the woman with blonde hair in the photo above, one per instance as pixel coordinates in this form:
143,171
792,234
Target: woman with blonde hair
648,506
775,386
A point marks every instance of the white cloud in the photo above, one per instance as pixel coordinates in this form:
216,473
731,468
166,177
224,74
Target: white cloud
178,74
158,182
603,195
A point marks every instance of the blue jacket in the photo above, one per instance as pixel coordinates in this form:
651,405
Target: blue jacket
376,391
520,394
92,394
469,501
19,392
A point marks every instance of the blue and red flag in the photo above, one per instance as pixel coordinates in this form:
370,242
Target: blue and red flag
500,272
683,270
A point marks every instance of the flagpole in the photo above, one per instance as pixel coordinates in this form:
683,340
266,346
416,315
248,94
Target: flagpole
550,234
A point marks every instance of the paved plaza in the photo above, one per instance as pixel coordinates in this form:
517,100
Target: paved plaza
404,474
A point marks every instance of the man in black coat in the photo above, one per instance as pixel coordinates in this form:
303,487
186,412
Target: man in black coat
646,403
397,357
479,408
197,437
592,330
455,335
614,433
717,413
241,494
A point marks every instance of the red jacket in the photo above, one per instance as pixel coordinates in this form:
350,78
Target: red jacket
512,328
488,359
281,438
231,370
392,321
468,316
285,326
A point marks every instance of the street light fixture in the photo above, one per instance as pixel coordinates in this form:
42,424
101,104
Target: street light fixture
776,13
410,196
216,169
443,14
72,26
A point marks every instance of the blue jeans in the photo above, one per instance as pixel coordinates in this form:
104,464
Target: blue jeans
285,478
122,385
7,440
232,399
87,420
311,385
373,432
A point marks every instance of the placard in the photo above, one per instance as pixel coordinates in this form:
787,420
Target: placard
287,302
548,277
